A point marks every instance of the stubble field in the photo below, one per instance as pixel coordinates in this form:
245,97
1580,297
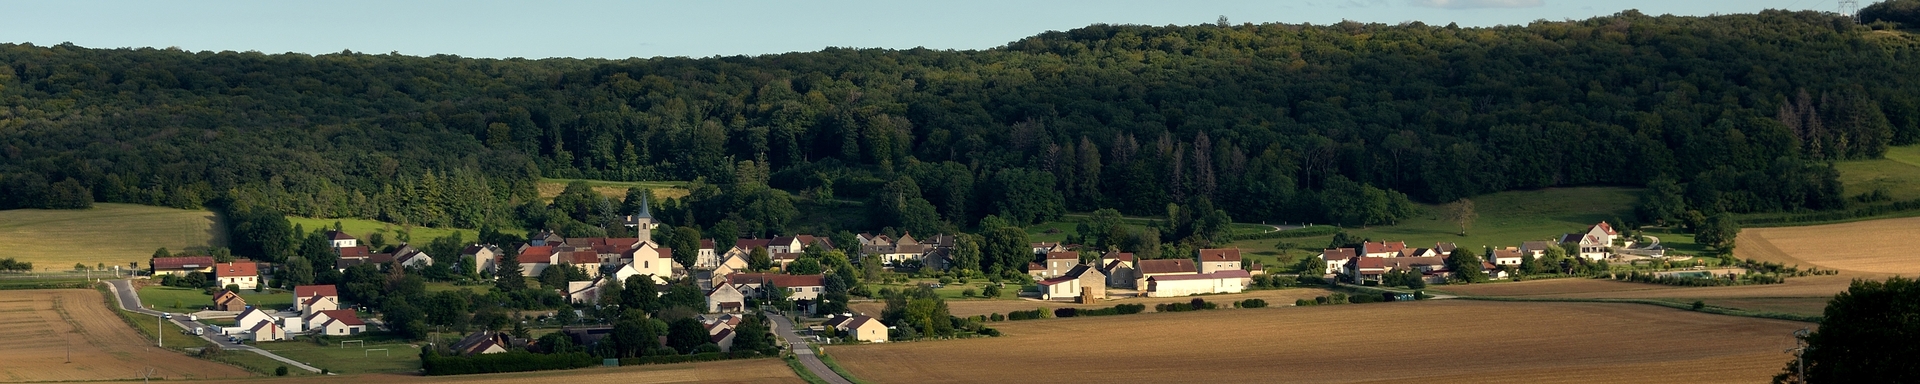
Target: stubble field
40,326
1428,341
730,371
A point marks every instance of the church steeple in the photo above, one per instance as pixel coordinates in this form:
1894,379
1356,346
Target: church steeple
642,222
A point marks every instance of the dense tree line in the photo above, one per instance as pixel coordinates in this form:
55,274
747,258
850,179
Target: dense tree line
1344,123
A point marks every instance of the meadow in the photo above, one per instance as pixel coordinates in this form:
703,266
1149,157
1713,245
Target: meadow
110,234
360,228
188,300
617,190
1561,342
44,327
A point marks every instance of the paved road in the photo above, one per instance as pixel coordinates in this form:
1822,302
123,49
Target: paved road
130,301
784,328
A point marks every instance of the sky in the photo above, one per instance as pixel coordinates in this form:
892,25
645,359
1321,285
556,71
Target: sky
703,28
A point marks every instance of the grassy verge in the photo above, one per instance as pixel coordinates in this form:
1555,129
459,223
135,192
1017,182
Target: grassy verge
37,282
801,370
399,357
187,344
835,366
953,291
1681,306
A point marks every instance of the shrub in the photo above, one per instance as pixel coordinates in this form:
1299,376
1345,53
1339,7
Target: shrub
946,280
1064,312
998,317
968,293
281,371
1421,295
1252,303
1699,305
1302,302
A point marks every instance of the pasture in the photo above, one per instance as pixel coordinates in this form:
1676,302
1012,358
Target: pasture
44,326
188,300
1898,174
1506,342
111,234
360,228
616,190
728,371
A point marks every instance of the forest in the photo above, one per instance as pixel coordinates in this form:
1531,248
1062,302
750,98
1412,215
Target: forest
1349,123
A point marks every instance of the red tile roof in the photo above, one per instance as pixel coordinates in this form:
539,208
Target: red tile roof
536,254
1603,226
787,256
782,280
1227,274
189,262
312,290
1337,253
1385,247
1221,254
353,252
1063,255
236,269
344,316
706,243
1122,256
750,244
584,257
1167,266
338,235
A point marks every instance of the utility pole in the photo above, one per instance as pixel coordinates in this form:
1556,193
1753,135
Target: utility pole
1800,355
159,332
1851,8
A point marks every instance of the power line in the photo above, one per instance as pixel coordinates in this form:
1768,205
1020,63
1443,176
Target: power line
1851,9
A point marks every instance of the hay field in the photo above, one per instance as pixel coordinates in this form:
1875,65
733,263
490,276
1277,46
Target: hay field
1871,247
616,190
40,326
966,308
1392,342
114,234
730,371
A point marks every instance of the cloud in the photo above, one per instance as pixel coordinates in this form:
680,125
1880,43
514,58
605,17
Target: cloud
1470,4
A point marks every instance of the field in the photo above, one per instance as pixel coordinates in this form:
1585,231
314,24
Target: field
1869,247
730,371
41,325
361,227
1898,174
1057,231
615,189
164,298
352,359
113,234
965,308
1393,342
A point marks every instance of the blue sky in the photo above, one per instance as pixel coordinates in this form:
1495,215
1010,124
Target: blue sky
621,29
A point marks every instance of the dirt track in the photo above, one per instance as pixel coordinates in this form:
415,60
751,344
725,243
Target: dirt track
40,325
1429,341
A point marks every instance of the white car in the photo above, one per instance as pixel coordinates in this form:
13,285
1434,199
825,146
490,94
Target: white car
168,316
192,317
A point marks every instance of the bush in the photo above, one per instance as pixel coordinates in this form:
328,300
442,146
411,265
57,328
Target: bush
282,371
1251,303
1063,312
672,359
1699,305
997,317
1027,315
1302,302
1421,295
968,293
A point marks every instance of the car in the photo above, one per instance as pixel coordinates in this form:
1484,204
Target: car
168,316
192,317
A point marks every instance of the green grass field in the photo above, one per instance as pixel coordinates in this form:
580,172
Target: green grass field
953,291
1057,231
1898,174
399,357
182,300
615,189
111,234
361,227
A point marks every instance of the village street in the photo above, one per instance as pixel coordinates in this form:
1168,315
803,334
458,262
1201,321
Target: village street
130,300
798,344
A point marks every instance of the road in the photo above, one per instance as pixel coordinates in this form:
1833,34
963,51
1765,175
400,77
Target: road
798,344
130,300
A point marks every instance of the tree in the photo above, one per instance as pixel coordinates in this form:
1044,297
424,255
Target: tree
991,292
633,337
555,276
753,334
1718,232
640,294
1461,213
759,260
1342,239
805,266
1004,248
507,275
162,252
686,245
1905,12
1662,203
686,334
966,252
1867,335
1466,266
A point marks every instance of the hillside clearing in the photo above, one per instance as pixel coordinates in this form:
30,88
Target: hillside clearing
111,234
360,228
616,190
1584,343
41,325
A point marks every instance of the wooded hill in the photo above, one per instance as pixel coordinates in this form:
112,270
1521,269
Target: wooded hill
1347,123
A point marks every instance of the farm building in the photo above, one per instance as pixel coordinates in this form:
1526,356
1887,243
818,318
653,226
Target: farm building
229,301
181,266
1228,281
1073,282
1165,267
480,343
725,298
859,328
1215,260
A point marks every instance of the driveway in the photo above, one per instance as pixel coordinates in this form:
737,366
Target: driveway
130,300
798,344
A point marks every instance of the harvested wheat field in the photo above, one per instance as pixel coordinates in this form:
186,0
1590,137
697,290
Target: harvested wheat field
967,308
1427,341
731,371
1866,246
40,326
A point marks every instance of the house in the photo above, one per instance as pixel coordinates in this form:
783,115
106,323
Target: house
1076,282
482,342
859,328
483,257
411,258
584,292
340,239
1374,268
535,259
588,260
1444,249
1165,267
1506,256
181,266
1215,260
1337,259
353,252
1225,281
650,259
1123,257
893,251
229,301
707,258
245,274
1383,249
266,331
253,316
1056,264
723,338
799,287
798,243
1596,243
310,298
1042,248
781,259
1120,273
337,322
1537,248
725,298
939,259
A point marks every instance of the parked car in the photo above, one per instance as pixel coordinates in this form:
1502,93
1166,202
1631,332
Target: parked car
193,317
197,331
168,316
